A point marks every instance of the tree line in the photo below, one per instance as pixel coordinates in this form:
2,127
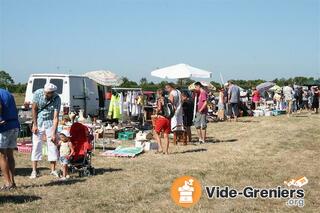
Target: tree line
7,82
245,84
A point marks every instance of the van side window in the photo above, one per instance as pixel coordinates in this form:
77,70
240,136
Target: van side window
38,83
58,83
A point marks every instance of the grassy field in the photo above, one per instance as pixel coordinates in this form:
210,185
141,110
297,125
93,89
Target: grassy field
262,152
19,98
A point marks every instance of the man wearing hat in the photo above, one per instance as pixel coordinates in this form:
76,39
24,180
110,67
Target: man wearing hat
45,115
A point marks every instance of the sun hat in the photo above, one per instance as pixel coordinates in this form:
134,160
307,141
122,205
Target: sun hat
65,133
49,87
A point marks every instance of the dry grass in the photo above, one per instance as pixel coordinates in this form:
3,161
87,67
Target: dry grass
262,152
19,98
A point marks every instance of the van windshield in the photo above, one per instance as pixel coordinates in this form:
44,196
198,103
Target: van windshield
38,83
58,83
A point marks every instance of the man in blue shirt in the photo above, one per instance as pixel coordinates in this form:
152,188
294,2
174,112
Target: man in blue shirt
9,129
45,114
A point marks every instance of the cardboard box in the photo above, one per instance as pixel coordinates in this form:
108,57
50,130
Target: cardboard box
147,145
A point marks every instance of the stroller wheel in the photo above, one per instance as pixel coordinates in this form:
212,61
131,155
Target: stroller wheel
92,171
86,172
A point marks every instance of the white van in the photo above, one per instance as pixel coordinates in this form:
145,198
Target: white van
76,91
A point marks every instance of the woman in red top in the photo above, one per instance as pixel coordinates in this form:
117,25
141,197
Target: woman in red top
162,124
255,97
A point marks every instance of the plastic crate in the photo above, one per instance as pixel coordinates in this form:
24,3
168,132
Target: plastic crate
126,136
278,112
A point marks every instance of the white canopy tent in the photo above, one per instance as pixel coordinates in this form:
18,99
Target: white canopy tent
181,71
104,77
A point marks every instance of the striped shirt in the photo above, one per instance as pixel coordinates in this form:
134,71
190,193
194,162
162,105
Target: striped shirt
45,117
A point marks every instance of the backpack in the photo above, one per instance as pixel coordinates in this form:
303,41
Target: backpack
168,109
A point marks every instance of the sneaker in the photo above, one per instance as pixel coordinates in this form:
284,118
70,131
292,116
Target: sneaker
63,179
54,173
33,175
68,176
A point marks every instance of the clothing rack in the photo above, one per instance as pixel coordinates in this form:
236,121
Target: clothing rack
120,91
126,89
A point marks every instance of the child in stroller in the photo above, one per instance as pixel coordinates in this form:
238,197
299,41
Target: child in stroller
81,159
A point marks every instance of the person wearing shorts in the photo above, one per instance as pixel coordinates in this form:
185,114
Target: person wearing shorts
200,121
187,106
66,151
9,130
162,124
288,97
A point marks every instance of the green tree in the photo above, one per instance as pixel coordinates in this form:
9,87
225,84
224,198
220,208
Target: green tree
300,80
5,79
143,81
127,83
216,85
184,82
19,88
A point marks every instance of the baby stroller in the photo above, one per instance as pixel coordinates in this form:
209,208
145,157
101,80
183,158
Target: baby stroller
81,159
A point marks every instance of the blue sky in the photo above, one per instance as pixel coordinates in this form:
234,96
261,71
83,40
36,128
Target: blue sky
242,39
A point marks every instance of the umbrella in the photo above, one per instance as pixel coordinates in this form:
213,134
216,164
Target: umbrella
275,88
181,71
265,86
204,83
104,77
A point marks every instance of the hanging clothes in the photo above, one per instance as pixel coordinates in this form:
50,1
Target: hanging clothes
114,107
134,111
111,108
121,103
177,119
140,103
129,103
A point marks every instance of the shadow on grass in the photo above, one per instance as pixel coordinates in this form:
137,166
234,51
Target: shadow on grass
195,141
18,199
100,149
101,171
190,151
27,171
215,140
56,183
300,116
247,121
